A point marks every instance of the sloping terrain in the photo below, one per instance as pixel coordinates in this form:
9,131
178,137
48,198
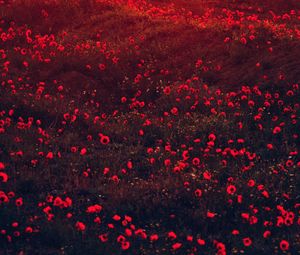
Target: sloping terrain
149,127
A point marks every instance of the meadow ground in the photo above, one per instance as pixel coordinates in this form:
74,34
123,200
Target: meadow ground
149,127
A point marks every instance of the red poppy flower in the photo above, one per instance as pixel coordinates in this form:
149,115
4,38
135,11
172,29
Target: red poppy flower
207,175
240,199
211,215
189,238
73,149
235,232
103,238
220,246
201,242
172,235
49,155
167,90
289,163
176,246
104,139
116,217
243,40
94,208
121,239
19,202
154,237
251,183
196,161
80,226
15,224
276,130
267,234
11,194
4,176
284,245
140,232
247,241
128,218
115,178
129,165
231,189
16,233
128,232
125,245
167,162
212,137
198,192
29,230
174,111
101,67
83,151
57,201
265,194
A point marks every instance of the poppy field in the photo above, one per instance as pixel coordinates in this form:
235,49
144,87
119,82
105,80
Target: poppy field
149,127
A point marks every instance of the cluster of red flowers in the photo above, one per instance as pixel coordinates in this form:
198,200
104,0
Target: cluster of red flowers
217,167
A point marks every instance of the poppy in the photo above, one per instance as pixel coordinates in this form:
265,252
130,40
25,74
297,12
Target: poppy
284,245
207,175
196,161
128,218
57,201
49,155
121,239
212,137
104,139
189,238
102,67
231,189
198,192
80,226
103,238
276,130
251,183
174,111
128,232
167,90
247,241
129,165
29,230
94,208
19,202
11,194
201,242
4,176
15,224
211,215
235,232
116,217
176,246
267,234
83,151
17,233
172,235
154,237
289,163
125,245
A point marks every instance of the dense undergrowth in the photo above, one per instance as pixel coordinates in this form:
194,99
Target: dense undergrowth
149,127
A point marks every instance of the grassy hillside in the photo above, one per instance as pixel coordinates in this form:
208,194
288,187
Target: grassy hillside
149,127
